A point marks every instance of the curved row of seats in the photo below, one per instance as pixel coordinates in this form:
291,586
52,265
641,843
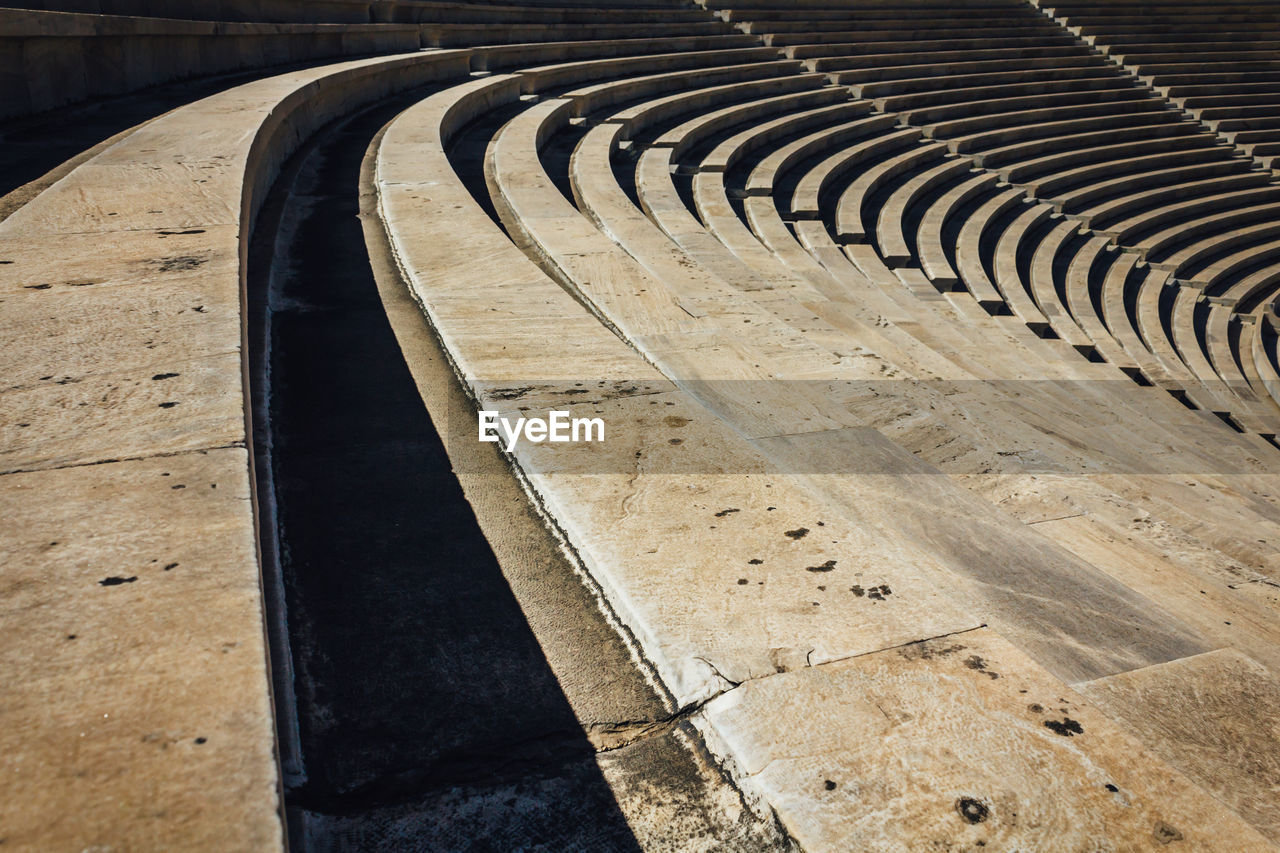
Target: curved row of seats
537,215
949,327
1215,60
133,589
1071,131
781,335
60,52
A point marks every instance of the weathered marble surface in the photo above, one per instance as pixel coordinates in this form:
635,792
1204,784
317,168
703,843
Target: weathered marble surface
137,712
1215,717
957,743
674,501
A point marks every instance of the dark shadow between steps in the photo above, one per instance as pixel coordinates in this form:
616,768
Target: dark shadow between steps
427,716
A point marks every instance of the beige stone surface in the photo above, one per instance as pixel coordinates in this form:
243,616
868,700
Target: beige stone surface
56,58
648,516
959,743
1215,717
641,508
136,710
74,331
671,792
1226,603
76,420
1058,608
137,713
87,259
724,569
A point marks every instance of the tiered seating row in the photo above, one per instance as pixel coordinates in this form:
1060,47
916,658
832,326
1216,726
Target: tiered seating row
640,267
656,170
50,59
1089,142
130,554
1217,61
869,312
65,51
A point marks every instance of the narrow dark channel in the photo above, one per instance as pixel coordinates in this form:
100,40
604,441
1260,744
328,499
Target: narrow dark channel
417,710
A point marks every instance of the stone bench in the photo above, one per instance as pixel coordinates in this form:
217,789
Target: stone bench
1187,339
603,200
1184,85
1073,186
765,222
1054,253
979,37
966,116
552,15
905,68
910,56
1119,313
857,14
607,95
52,58
1263,345
1129,218
870,27
1085,274
1122,23
532,56
1202,240
1259,94
1227,335
722,221
891,229
1016,240
1097,84
248,11
929,81
766,173
1152,309
469,35
971,239
1157,38
636,119
986,129
1043,144
816,183
854,5
1256,362
663,205
930,245
855,198
1259,121
1225,270
1063,157
903,49
126,443
1091,194
694,131
732,149
540,78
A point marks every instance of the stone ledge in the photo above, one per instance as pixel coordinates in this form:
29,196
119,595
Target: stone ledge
142,717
